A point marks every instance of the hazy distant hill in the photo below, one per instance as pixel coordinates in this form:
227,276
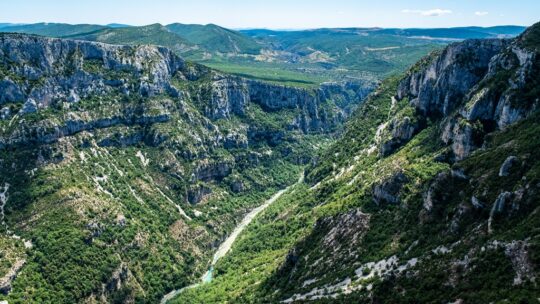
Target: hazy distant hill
431,195
300,58
445,33
460,32
216,38
124,168
51,29
155,34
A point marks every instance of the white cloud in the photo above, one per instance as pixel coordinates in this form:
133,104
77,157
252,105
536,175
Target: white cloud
481,13
432,12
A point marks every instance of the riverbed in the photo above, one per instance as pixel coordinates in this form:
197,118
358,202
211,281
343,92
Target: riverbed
227,244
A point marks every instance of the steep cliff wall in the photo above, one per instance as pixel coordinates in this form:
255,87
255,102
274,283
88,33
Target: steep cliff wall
432,194
123,167
42,72
480,81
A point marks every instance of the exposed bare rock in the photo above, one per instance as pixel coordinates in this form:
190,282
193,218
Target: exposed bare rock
498,207
440,87
197,193
5,282
30,106
232,95
477,203
475,86
237,186
207,170
440,190
350,226
460,134
507,165
11,92
518,252
388,190
401,131
61,66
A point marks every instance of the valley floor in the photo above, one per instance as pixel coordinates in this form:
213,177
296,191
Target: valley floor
229,241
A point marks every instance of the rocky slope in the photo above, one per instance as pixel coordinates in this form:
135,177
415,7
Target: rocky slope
123,167
431,195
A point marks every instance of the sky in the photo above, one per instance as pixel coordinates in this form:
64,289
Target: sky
277,14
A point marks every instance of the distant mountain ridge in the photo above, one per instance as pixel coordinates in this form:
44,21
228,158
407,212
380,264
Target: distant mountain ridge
196,149
432,194
304,58
214,37
452,32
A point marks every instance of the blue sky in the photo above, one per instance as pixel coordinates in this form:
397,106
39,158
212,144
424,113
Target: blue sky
277,13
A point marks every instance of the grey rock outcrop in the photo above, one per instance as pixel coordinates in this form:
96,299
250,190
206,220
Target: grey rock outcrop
232,95
401,131
10,91
474,86
9,277
501,202
388,190
197,193
499,206
237,186
440,87
58,71
350,226
439,191
5,113
509,162
46,132
210,170
63,70
519,254
460,135
30,106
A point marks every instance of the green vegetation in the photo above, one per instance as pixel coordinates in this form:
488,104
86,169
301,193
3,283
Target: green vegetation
531,38
324,232
270,73
104,208
52,29
215,38
131,202
298,58
151,34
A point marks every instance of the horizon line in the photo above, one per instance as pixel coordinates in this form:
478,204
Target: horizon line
262,28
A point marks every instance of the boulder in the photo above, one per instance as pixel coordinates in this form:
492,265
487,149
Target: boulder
388,190
30,106
507,165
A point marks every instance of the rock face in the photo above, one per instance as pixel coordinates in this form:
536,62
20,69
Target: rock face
439,191
507,165
401,131
59,72
439,88
232,96
351,226
388,190
474,87
197,193
5,282
59,69
212,170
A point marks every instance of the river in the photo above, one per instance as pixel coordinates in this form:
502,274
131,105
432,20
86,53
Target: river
227,244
